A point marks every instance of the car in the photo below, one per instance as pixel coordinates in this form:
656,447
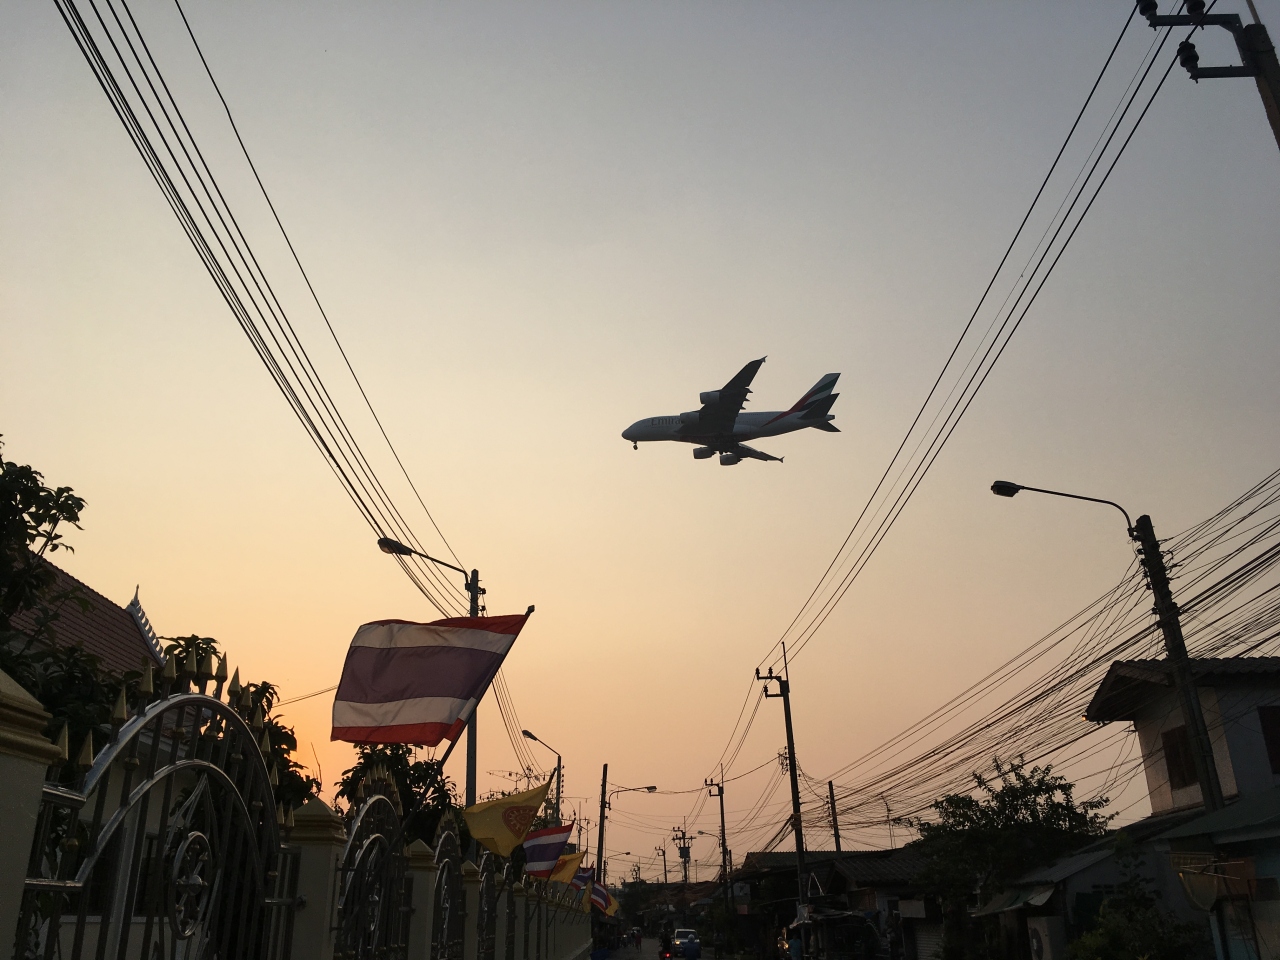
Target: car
685,943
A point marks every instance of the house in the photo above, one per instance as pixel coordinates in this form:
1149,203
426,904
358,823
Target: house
861,902
1219,868
120,637
1240,698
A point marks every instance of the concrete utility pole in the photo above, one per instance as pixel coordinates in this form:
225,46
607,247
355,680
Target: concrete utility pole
784,691
835,822
1176,651
1166,612
663,850
682,841
717,790
604,786
475,591
1257,53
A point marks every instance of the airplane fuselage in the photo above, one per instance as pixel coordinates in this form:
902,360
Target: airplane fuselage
747,426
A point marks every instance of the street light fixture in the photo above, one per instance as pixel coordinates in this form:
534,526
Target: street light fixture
606,804
1004,488
528,735
1166,610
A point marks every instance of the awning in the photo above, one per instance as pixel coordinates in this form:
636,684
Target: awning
1017,897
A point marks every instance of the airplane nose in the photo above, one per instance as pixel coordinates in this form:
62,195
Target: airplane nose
627,434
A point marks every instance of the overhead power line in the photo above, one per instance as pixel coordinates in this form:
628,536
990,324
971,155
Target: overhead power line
972,357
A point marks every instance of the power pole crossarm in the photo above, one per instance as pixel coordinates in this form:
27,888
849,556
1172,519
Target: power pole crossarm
1257,52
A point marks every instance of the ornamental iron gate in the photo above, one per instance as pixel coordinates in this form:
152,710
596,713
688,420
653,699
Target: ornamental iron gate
487,908
374,893
449,909
170,847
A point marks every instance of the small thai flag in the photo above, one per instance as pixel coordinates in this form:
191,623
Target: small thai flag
600,896
583,877
542,850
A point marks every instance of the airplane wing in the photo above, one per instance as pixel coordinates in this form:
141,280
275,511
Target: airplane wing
742,450
725,404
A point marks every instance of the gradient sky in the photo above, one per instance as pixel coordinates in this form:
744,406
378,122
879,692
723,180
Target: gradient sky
533,224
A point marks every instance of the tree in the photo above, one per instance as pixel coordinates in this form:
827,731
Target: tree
76,689
30,514
1132,924
977,843
426,794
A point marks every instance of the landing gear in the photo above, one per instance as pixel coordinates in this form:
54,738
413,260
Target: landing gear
634,445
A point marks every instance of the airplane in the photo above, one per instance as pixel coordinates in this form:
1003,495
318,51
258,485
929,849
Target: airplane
720,427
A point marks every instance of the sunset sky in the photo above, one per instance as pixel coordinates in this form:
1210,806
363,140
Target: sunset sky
531,225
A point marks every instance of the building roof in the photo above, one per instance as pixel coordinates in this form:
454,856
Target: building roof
858,867
870,867
120,637
1250,817
1130,684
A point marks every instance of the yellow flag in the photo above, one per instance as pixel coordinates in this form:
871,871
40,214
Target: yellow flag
612,908
501,824
567,866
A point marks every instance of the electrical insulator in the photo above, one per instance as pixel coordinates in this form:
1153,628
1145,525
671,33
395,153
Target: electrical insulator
1188,57
1148,8
1195,8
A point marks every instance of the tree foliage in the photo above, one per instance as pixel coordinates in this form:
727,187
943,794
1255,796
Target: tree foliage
976,843
72,685
426,794
1022,817
1132,924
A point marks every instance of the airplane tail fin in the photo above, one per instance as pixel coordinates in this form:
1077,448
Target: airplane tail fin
816,404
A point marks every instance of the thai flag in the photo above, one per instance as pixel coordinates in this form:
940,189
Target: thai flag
542,850
600,896
583,877
406,682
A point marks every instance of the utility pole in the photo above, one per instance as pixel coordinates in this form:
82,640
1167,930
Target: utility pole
663,850
835,823
604,786
682,841
717,790
888,819
1175,646
784,691
1257,53
475,592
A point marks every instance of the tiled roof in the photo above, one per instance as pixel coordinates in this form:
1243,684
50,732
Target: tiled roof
857,866
1131,683
882,866
112,633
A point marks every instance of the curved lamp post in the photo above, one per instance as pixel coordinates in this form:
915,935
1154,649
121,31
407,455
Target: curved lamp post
1143,533
559,769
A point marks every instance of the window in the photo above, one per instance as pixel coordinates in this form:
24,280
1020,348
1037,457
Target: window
1270,717
1177,758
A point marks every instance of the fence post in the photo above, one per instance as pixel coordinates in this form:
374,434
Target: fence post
522,907
319,834
25,756
423,870
471,912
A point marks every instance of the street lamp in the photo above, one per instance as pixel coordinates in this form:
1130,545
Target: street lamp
559,769
474,591
606,803
1143,533
1003,488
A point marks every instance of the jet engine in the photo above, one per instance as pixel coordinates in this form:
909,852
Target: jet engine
709,396
729,459
701,453
691,416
